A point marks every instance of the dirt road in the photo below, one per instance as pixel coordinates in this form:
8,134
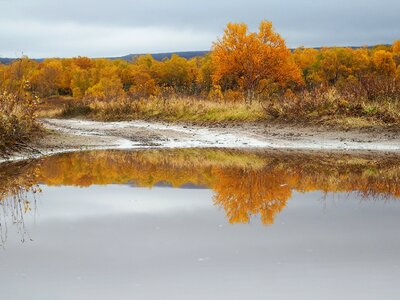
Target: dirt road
73,135
77,134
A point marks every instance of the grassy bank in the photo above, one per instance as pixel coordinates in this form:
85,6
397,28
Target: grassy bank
17,122
172,110
329,107
309,108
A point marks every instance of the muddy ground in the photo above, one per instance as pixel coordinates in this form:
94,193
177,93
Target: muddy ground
72,135
137,134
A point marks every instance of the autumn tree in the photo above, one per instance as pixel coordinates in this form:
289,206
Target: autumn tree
80,82
306,58
3,70
396,52
361,62
384,63
176,72
331,65
143,86
396,47
123,70
142,77
105,82
253,62
17,75
204,77
80,74
82,62
47,79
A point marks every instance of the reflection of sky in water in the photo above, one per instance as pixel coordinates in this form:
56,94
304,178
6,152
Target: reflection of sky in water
122,242
117,200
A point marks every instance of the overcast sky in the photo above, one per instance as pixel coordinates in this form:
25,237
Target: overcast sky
96,28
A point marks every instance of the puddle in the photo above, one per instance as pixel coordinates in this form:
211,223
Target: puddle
200,224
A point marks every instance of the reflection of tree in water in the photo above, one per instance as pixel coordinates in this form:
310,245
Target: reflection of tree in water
244,192
265,191
17,182
245,183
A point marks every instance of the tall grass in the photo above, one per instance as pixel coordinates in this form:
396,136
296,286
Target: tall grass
174,109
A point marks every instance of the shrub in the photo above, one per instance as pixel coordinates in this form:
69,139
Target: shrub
329,103
17,121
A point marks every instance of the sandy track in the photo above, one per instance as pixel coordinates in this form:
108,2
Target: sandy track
74,135
141,134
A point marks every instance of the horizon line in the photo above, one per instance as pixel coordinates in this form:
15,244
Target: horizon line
176,52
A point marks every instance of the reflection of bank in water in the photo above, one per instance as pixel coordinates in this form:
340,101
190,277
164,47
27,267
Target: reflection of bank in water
245,183
18,182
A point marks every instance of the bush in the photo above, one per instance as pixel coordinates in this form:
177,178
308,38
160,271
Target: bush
329,104
75,109
17,121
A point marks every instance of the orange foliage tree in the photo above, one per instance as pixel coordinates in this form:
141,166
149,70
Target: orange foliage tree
384,63
242,66
396,51
47,79
253,62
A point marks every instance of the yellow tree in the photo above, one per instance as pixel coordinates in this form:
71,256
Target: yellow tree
80,82
106,89
47,79
124,69
106,84
3,69
396,47
396,51
204,77
384,63
142,77
66,77
361,62
81,75
143,86
305,58
175,72
253,61
17,75
82,62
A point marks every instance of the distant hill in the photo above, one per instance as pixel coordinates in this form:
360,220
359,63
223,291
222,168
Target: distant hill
185,54
161,56
6,60
129,57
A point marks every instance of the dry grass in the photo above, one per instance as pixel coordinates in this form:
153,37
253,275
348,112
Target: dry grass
52,107
173,110
323,106
329,107
17,122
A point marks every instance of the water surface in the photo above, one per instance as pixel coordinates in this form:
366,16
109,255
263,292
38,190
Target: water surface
200,224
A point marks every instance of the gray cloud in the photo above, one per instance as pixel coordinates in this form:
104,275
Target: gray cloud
104,28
